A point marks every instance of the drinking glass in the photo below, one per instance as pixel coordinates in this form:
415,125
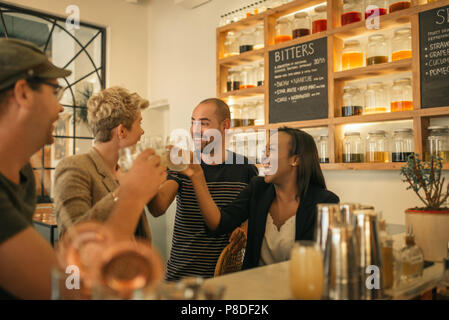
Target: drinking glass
178,152
306,271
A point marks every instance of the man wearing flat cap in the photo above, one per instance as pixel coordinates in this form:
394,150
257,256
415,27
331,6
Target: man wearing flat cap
29,107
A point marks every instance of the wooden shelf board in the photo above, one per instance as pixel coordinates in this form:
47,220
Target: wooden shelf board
435,112
298,41
387,21
254,128
380,117
374,70
244,24
243,58
362,166
243,93
301,124
292,7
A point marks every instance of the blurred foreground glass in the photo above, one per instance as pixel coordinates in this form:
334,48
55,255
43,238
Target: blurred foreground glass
78,252
306,271
128,270
191,288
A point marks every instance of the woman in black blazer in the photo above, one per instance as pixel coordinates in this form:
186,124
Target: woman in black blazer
292,186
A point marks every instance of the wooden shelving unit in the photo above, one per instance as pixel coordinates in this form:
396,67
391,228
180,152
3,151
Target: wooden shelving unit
336,35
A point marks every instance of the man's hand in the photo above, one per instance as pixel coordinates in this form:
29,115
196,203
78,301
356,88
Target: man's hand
237,240
194,170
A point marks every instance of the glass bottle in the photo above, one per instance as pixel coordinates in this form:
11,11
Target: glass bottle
352,102
259,37
301,25
438,142
248,114
401,44
248,77
233,82
353,148
246,41
386,244
283,31
375,99
352,55
396,5
319,21
323,149
402,95
412,258
377,147
260,74
376,50
443,284
352,12
373,5
260,113
231,45
403,145
236,115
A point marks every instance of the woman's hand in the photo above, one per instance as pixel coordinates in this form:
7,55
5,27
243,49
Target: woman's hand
142,181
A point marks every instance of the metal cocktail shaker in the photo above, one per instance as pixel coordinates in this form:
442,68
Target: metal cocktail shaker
342,280
369,254
328,214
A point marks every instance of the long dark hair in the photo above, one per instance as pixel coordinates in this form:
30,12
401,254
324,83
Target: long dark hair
309,170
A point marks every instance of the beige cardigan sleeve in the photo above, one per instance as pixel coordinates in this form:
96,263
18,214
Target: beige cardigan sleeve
73,196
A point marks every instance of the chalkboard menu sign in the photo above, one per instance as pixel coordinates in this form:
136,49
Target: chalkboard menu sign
434,57
298,82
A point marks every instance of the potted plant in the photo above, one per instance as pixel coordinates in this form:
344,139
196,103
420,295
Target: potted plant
431,222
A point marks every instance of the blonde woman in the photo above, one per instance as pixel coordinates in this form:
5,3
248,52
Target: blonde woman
87,185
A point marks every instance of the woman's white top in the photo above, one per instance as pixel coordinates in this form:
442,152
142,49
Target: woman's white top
277,244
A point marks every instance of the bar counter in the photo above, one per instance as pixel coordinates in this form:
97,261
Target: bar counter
272,282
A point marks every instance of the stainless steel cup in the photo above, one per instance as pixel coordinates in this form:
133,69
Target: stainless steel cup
369,254
347,210
342,281
328,215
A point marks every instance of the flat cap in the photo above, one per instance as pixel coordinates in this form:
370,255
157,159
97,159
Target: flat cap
23,60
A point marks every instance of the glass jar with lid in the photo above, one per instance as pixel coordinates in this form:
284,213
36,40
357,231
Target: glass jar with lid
233,80
248,77
231,45
375,7
260,73
230,80
352,55
353,148
375,99
402,95
438,142
248,114
403,144
323,148
259,37
236,115
352,102
352,11
396,5
377,147
260,113
246,41
319,20
302,25
401,44
283,31
376,50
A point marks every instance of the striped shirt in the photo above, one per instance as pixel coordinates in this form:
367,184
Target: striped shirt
194,253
